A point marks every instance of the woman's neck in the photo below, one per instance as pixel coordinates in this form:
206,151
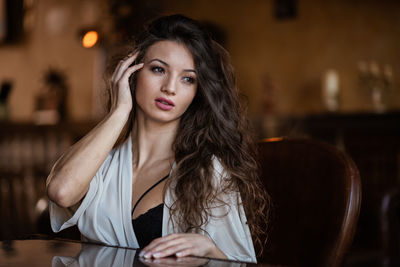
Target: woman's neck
152,142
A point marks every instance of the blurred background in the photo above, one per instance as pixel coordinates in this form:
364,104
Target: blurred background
328,70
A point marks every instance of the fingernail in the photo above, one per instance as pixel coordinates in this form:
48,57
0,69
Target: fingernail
157,254
142,253
140,64
147,255
178,254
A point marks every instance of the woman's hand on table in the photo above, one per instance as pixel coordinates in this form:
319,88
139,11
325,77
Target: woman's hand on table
181,245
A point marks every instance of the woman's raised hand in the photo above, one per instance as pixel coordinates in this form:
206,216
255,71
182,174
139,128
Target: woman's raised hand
181,245
120,91
69,180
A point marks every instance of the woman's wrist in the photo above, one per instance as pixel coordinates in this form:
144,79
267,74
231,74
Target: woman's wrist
215,252
122,112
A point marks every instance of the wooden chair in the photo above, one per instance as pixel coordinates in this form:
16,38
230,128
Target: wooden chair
316,195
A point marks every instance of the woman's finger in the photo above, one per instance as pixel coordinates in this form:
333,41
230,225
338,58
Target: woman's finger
184,252
180,245
156,242
128,72
123,65
170,249
116,70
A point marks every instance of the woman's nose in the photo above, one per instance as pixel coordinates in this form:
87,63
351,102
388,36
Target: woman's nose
169,86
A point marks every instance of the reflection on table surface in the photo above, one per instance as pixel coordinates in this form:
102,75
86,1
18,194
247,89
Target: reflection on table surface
60,253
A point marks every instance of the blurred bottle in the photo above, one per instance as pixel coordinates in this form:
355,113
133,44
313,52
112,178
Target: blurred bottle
390,97
377,87
363,75
330,90
376,81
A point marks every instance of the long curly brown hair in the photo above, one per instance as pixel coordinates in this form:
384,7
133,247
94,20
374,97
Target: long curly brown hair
214,125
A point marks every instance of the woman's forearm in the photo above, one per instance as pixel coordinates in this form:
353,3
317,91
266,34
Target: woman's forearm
70,177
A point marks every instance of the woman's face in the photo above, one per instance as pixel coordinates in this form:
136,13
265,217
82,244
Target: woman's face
167,83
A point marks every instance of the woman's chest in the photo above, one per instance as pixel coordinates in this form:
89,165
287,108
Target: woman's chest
148,189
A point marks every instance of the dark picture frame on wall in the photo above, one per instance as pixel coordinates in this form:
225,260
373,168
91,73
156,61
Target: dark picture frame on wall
285,9
11,21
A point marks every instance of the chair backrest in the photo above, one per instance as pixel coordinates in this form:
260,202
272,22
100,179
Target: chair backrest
316,195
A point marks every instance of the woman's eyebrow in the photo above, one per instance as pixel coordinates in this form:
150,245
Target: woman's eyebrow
190,70
167,65
159,60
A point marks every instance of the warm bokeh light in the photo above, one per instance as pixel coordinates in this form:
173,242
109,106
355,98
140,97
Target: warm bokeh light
90,39
273,139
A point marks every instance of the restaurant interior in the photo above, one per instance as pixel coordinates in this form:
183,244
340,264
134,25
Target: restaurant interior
312,73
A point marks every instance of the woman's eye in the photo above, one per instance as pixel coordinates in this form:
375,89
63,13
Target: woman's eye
157,69
189,80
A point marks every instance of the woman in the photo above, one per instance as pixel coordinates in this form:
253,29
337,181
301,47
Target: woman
171,168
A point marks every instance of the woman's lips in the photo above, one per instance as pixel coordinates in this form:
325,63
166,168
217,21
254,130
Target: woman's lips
164,104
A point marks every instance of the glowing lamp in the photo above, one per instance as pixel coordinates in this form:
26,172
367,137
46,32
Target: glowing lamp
89,39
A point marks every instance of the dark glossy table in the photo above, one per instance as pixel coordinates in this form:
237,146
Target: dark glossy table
57,253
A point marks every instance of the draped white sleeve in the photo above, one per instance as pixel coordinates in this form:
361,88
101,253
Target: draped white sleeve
104,214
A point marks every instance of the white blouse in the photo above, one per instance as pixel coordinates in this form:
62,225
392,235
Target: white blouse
104,215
